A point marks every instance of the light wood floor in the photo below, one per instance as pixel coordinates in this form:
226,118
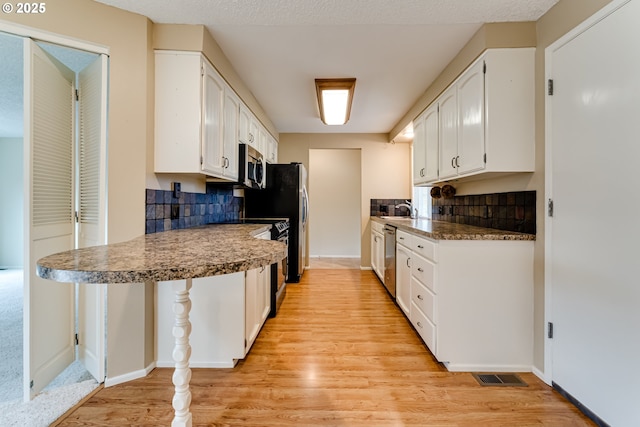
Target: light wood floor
339,353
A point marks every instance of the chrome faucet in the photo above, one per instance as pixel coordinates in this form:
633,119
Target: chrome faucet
409,206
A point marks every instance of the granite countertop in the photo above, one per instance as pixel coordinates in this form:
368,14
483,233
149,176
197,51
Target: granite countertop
442,230
171,255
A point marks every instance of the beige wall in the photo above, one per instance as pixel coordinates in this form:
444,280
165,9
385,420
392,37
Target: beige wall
386,169
334,192
126,35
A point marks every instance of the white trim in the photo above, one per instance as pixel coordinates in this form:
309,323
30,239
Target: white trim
218,365
538,373
46,36
463,367
130,376
365,267
547,374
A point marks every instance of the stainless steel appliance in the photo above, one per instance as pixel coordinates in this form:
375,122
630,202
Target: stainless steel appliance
285,196
390,259
251,173
280,232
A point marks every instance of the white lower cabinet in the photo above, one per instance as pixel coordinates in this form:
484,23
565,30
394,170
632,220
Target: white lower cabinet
403,277
471,301
377,249
227,313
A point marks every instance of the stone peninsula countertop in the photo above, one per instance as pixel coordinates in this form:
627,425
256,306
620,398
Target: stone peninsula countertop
442,230
171,255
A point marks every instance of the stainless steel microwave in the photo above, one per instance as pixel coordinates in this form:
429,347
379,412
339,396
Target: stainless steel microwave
251,167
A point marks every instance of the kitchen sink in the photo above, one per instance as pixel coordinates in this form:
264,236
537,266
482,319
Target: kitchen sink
397,218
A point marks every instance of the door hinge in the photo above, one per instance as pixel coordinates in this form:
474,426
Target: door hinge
245,343
485,158
202,70
550,330
76,216
201,160
550,87
484,67
550,207
77,340
77,95
31,384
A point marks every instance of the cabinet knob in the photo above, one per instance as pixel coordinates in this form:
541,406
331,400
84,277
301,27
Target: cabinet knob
420,297
420,270
419,324
420,246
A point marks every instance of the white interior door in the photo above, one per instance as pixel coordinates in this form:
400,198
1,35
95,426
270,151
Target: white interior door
49,148
592,237
92,86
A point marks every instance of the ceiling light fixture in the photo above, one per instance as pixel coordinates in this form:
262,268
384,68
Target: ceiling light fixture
334,99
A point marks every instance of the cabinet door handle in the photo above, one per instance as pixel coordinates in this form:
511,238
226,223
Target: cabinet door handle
420,325
420,247
408,265
420,270
453,159
420,297
401,238
422,172
457,162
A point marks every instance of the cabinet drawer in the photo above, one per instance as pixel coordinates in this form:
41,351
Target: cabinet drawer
424,299
425,247
376,226
403,238
425,271
425,328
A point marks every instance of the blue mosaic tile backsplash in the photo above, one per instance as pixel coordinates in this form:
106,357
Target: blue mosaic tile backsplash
191,209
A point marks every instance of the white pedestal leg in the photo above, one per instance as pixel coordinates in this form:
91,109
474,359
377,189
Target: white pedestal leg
181,354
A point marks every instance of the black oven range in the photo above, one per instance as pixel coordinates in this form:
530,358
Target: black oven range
280,232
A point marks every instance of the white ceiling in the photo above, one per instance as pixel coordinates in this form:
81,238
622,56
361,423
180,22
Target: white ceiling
394,48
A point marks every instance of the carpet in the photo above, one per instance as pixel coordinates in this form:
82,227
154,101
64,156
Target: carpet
73,384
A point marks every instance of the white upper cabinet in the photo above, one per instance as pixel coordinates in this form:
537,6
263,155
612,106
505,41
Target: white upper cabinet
213,97
471,117
426,130
196,117
485,121
230,134
248,131
448,119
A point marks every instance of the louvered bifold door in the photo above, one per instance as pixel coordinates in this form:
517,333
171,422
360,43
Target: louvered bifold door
92,107
49,149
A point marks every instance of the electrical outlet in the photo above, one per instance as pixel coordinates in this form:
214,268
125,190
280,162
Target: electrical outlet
175,186
175,211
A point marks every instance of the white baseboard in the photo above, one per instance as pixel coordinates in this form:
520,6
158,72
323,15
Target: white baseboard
334,256
487,368
540,374
130,376
231,364
364,267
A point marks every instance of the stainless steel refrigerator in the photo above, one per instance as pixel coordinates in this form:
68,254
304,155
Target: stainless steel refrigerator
284,197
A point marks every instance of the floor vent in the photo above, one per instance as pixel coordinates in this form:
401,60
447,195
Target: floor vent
504,380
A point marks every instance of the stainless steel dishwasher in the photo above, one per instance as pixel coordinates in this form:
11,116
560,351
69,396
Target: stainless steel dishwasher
390,259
